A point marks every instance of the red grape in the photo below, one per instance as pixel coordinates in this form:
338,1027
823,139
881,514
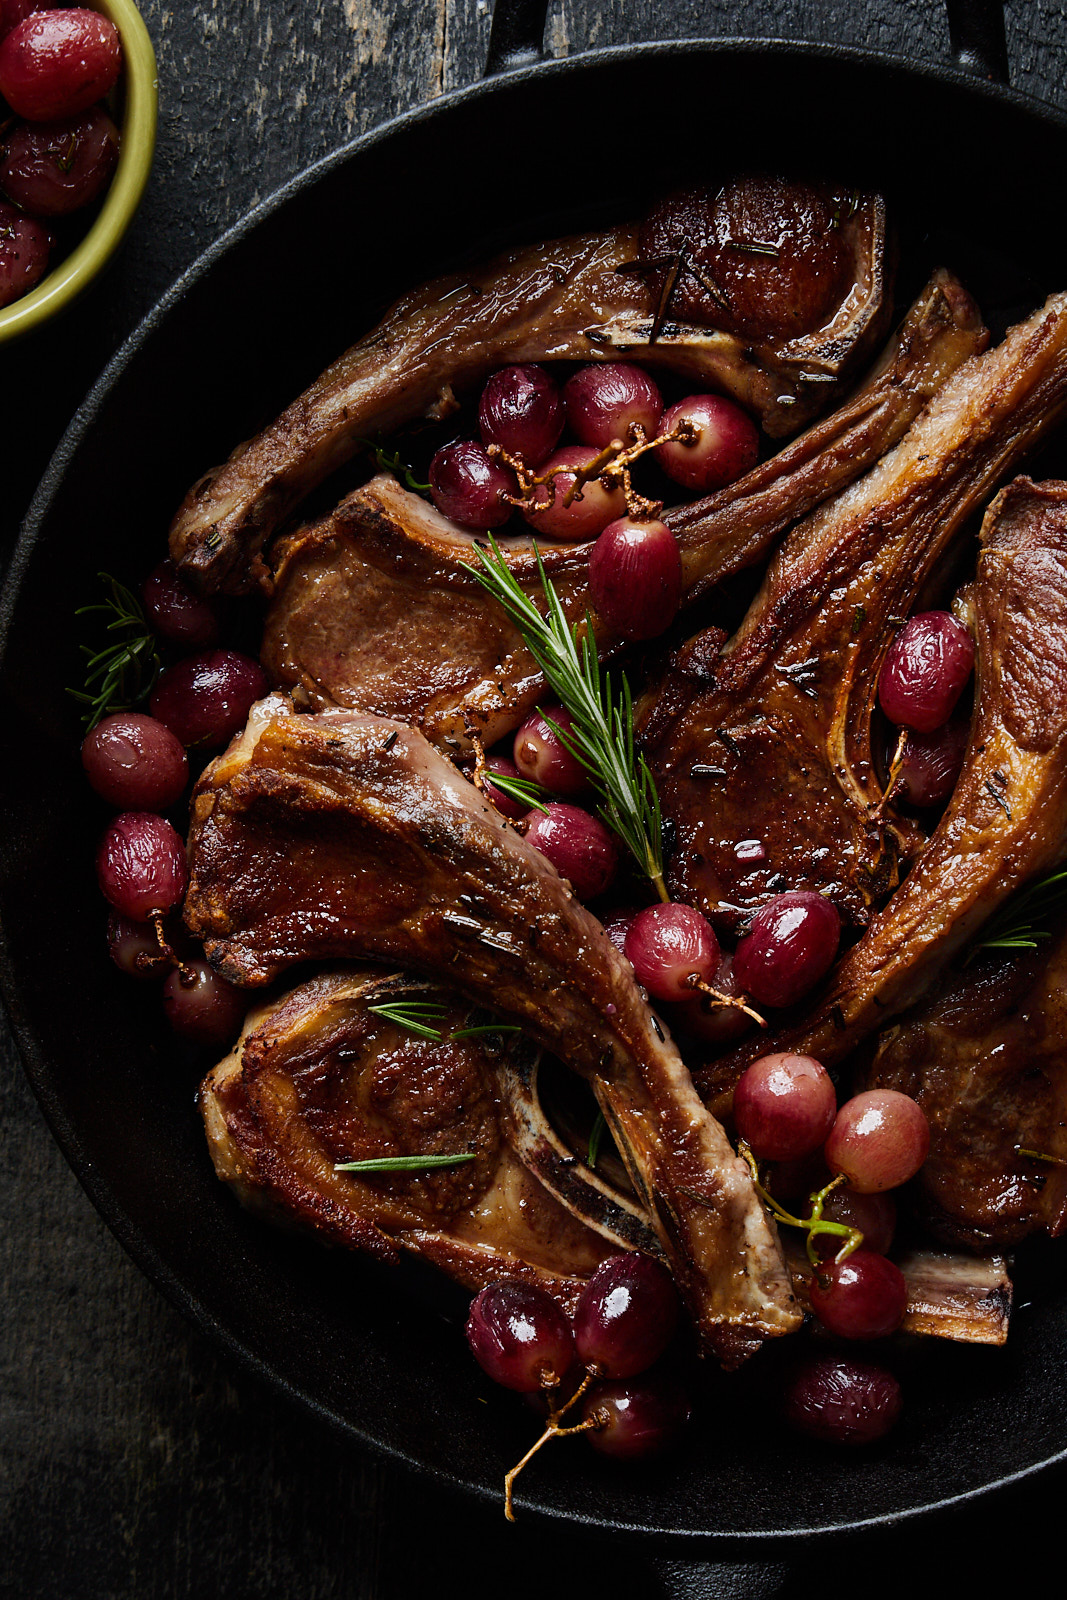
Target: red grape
863,1297
24,247
57,63
521,411
604,401
617,927
875,1215
134,948
520,1336
203,1007
930,762
727,448
784,1106
175,612
843,1401
879,1140
635,577
925,671
790,947
135,762
466,486
12,12
585,517
626,1316
669,945
636,1420
53,168
140,865
707,1018
578,845
541,755
206,698
504,803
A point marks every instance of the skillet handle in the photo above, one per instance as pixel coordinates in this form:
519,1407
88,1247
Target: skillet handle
976,34
516,38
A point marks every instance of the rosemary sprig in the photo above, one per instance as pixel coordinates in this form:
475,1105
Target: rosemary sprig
1015,925
420,1016
524,790
392,463
596,1134
486,1029
602,734
122,673
402,1163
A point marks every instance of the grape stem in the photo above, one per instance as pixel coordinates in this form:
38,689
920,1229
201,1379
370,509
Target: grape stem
187,976
612,466
815,1224
599,1419
735,1000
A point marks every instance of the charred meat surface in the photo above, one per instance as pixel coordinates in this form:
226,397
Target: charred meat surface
773,738
318,1079
374,607
986,1058
1007,819
565,300
347,836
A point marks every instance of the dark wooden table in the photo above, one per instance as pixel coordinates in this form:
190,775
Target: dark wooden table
135,1462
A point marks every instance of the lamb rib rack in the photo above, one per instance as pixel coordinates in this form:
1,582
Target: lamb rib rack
773,737
374,607
347,836
565,300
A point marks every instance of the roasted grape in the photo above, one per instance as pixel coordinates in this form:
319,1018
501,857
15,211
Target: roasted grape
784,1106
135,762
591,509
205,699
879,1140
726,447
140,865
57,63
175,612
626,1316
24,248
466,486
925,671
863,1297
635,577
637,1419
843,1401
669,947
54,168
541,755
520,1336
521,411
604,402
203,1007
791,945
578,845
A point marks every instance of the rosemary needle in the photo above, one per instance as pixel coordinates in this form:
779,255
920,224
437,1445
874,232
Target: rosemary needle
1016,926
402,1163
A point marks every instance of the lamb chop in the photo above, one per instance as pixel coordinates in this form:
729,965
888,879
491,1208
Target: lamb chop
347,836
569,299
374,607
1007,819
318,1079
773,738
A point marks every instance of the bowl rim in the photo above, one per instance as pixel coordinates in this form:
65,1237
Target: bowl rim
60,287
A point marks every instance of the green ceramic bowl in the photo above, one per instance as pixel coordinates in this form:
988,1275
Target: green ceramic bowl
137,101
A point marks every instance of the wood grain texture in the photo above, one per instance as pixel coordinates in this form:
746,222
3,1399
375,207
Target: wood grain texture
136,1462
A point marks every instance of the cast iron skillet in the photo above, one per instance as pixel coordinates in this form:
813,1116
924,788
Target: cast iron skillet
963,160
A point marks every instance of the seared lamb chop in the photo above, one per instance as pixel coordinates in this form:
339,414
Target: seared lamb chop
1007,819
317,1079
773,738
570,299
986,1058
348,836
374,607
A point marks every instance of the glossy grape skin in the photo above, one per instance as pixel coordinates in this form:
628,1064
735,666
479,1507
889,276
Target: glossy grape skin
875,1215
175,612
626,1316
617,927
727,448
925,671
466,486
54,168
203,1007
638,1419
134,762
603,402
784,1106
140,865
669,944
541,755
12,12
135,950
635,577
520,1336
205,699
791,945
841,1400
504,803
24,250
930,763
879,1140
57,63
578,845
863,1297
584,518
521,411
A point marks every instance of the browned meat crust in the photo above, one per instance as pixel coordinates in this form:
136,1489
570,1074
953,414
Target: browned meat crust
779,728
563,300
374,609
342,835
1007,820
